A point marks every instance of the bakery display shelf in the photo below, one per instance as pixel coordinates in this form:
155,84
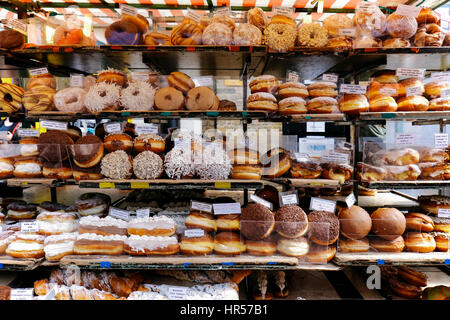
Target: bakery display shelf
8,263
416,184
15,182
391,258
411,50
212,262
153,114
312,183
174,184
404,115
334,117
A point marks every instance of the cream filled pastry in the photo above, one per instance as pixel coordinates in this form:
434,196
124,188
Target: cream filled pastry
26,246
91,243
150,245
152,226
58,246
103,226
56,222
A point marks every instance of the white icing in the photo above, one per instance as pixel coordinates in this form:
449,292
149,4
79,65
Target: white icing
103,222
58,248
93,236
6,167
28,236
61,227
140,243
61,237
150,223
50,215
95,210
94,101
28,148
28,168
25,246
139,95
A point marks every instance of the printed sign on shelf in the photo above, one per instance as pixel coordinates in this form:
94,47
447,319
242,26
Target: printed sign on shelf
143,213
410,73
405,10
176,293
227,208
76,80
37,71
441,140
30,226
201,206
350,200
330,77
315,126
119,214
404,139
53,125
194,233
318,204
129,10
288,198
353,89
259,200
112,127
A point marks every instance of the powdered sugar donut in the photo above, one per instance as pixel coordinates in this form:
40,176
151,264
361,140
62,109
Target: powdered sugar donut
217,34
247,34
70,100
103,96
139,96
400,26
148,165
179,164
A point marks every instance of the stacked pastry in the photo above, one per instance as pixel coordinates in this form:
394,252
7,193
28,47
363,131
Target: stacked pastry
40,93
403,281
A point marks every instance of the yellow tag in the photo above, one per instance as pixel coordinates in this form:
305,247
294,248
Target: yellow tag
233,83
222,185
105,185
140,185
316,184
130,120
87,28
6,80
24,183
307,19
42,130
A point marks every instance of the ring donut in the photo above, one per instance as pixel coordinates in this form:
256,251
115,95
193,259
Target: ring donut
187,33
70,100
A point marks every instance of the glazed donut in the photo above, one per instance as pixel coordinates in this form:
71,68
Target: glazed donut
292,105
39,98
367,172
169,98
45,79
433,155
264,83
439,104
434,170
427,16
312,35
138,20
10,97
335,22
180,81
334,171
201,98
112,76
157,39
258,18
280,37
429,35
149,142
322,105
353,104
320,254
399,26
11,39
246,34
322,89
382,103
410,83
412,276
138,96
102,97
70,100
403,173
383,245
123,33
246,172
433,89
419,242
401,157
118,141
277,163
403,289
350,245
412,103
305,170
187,33
419,222
262,101
293,89
388,223
442,241
396,43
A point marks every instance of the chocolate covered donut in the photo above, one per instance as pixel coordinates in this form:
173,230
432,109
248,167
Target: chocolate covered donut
52,146
323,227
291,221
257,222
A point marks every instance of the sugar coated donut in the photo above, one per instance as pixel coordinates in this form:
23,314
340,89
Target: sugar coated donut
102,96
138,96
70,100
218,34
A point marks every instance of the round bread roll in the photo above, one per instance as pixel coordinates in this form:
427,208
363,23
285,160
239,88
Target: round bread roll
355,222
388,223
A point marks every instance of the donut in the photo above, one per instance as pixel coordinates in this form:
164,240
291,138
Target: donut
246,34
382,103
139,20
117,165
401,157
246,172
355,222
335,22
10,97
322,105
138,96
282,19
412,276
270,194
432,155
180,81
149,142
102,97
335,171
399,26
427,16
432,204
384,76
403,289
179,164
280,37
70,100
442,241
419,222
297,247
224,19
277,163
412,103
123,33
228,243
267,247
429,35
148,165
244,156
439,104
320,254
169,98
383,245
367,172
87,151
263,101
305,170
201,220
157,39
292,105
353,104
434,170
45,79
257,222
433,89
52,145
112,76
292,89
340,44
312,35
388,223
322,89
197,245
11,39
396,43
187,33
410,83
258,18
367,41
291,221
118,141
265,83
57,170
67,37
39,98
323,227
214,165
349,245
228,222
6,168
419,242
403,173
227,105
201,98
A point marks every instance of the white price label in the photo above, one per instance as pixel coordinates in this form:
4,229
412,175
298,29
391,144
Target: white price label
347,32
18,26
76,80
259,200
283,11
353,89
318,204
301,157
440,76
53,125
143,213
413,91
51,294
129,10
28,133
350,200
410,73
146,128
201,206
445,93
336,157
444,213
227,208
191,14
32,226
182,142
119,214
37,71
177,293
404,139
223,11
113,127
330,77
441,140
388,91
405,10
315,126
206,81
194,233
288,198
365,6
293,76
22,294
139,76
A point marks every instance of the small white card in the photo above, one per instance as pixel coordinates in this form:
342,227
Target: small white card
223,11
440,76
139,76
347,32
201,206
31,226
413,91
410,73
76,80
37,71
54,125
119,214
444,213
28,133
193,15
22,294
51,294
194,233
353,89
441,140
331,77
388,91
315,126
293,76
176,293
445,93
112,127
283,11
129,10
405,10
259,200
146,128
404,139
143,213
336,157
318,204
288,198
18,25
350,200
227,208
